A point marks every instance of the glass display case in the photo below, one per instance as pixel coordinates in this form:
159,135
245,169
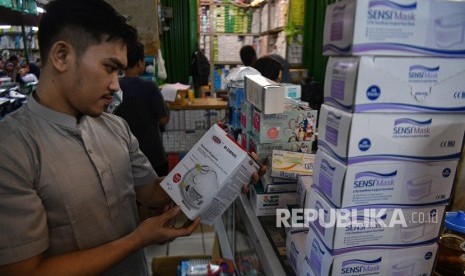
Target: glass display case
254,243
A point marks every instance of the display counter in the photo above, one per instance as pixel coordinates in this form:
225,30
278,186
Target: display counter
254,243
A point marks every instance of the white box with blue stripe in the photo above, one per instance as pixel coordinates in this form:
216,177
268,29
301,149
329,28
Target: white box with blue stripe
374,225
378,182
362,137
396,84
320,261
395,28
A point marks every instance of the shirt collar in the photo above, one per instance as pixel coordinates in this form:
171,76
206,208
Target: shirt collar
50,114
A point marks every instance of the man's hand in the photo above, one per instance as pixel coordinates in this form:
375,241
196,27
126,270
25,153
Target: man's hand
159,229
256,175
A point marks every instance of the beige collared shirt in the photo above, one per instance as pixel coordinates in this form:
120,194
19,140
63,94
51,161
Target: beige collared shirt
66,186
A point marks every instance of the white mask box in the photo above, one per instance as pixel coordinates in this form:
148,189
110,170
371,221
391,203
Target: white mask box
377,182
363,137
296,239
396,84
265,204
395,28
374,225
417,260
210,176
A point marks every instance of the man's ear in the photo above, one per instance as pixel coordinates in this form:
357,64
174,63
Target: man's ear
60,55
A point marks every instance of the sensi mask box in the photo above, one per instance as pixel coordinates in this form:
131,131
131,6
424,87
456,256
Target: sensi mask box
210,176
395,28
363,137
383,182
415,260
396,84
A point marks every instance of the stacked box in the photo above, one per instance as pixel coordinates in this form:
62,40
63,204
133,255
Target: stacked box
390,136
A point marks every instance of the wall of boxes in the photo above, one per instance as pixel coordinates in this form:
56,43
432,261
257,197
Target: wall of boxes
390,138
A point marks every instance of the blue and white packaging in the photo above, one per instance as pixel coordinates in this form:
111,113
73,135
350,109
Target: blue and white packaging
395,28
295,248
362,137
374,225
396,84
276,184
391,182
265,204
320,261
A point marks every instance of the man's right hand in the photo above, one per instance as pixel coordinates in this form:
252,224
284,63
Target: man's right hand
158,229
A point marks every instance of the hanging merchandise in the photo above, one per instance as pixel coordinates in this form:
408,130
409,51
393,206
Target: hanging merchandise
161,70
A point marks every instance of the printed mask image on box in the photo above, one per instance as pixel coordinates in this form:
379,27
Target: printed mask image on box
197,185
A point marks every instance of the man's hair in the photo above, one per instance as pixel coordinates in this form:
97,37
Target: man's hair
135,53
268,67
82,23
248,55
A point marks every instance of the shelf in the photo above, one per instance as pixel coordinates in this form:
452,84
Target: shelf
18,49
273,31
14,33
201,103
236,34
13,17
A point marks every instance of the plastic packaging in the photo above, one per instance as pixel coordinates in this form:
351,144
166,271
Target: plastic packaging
451,254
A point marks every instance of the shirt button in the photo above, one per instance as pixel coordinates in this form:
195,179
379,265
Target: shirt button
89,151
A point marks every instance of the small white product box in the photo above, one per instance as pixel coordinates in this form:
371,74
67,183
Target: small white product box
362,137
395,28
418,260
264,94
210,176
289,164
265,150
295,248
374,225
293,125
304,186
377,182
265,204
276,184
396,84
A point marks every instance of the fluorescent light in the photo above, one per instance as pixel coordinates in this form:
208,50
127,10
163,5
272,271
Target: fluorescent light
5,26
40,10
35,29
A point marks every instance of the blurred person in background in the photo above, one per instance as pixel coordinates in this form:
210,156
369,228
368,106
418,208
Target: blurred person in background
144,109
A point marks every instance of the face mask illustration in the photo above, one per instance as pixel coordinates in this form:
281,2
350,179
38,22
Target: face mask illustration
198,185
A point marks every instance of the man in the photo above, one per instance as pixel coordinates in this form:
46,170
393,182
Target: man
70,174
144,109
249,57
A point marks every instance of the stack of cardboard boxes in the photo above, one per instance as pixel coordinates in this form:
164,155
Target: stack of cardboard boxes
270,120
390,136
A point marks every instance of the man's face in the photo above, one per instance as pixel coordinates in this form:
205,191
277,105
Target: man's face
94,78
